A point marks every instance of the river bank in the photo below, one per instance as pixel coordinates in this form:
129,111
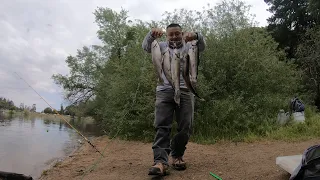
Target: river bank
131,160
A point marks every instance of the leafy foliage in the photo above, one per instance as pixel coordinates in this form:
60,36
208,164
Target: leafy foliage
289,22
48,110
308,54
7,104
84,70
240,74
292,25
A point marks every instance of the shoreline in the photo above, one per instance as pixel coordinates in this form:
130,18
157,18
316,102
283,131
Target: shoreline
46,115
132,159
56,161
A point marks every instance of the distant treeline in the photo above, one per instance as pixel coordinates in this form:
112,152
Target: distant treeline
69,110
8,104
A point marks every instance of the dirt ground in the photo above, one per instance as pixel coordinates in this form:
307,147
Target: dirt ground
130,161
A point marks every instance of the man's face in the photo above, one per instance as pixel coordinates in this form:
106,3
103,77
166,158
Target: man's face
174,34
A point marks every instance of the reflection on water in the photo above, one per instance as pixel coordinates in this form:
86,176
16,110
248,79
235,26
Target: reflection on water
28,144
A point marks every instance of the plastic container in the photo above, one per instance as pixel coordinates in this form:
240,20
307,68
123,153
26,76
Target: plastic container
298,116
283,117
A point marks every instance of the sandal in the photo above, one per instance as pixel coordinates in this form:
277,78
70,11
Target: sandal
158,169
178,163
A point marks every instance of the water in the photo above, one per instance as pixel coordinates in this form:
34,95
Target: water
29,145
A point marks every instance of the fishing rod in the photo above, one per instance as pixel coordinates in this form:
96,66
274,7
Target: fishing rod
62,117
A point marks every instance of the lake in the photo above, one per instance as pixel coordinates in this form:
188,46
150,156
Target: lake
30,144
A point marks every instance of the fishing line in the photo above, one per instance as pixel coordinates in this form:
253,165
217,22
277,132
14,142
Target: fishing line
88,141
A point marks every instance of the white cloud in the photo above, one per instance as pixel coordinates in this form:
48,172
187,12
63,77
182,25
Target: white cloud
37,36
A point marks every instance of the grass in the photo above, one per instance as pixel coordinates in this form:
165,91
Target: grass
58,163
290,132
44,172
298,131
295,131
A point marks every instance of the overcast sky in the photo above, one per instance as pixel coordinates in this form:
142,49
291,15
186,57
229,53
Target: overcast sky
37,36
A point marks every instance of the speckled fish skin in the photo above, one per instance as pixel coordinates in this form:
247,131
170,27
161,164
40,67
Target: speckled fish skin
157,59
186,75
166,65
175,73
193,57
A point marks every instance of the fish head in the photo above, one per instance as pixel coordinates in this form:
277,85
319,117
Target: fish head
184,56
176,54
194,42
155,49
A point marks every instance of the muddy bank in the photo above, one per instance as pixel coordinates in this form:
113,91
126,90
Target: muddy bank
56,161
131,160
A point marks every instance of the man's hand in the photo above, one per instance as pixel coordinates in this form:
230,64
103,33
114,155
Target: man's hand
189,36
157,32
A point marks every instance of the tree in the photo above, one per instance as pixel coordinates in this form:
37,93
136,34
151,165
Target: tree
84,70
70,110
21,106
289,22
314,8
34,108
308,53
86,67
222,19
112,29
61,110
48,110
7,104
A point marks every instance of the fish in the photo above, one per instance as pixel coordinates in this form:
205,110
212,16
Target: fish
166,65
193,57
157,60
189,70
175,73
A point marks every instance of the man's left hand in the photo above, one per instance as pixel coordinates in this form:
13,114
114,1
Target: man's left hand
189,36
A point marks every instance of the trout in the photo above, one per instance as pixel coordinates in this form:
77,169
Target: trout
157,59
186,76
189,69
193,57
175,73
166,65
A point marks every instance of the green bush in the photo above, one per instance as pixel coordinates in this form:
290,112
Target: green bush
240,75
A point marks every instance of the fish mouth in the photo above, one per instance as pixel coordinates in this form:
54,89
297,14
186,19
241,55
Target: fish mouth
175,44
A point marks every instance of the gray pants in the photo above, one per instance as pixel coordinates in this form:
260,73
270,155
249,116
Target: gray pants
164,111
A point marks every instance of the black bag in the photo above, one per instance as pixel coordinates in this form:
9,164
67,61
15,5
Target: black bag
309,167
296,105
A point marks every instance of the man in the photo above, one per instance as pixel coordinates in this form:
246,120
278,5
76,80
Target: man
165,105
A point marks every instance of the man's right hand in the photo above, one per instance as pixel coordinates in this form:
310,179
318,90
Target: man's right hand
156,32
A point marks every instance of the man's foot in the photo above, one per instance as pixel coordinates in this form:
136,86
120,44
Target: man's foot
178,163
158,169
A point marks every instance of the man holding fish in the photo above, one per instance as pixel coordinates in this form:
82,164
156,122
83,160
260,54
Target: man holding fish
176,62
